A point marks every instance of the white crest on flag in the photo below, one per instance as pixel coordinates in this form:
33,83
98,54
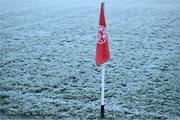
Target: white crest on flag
102,35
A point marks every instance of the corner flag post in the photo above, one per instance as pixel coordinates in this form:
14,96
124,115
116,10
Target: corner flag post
102,51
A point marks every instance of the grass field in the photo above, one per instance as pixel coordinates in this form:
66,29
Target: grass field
47,59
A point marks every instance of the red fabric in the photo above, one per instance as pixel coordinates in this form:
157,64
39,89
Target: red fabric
102,45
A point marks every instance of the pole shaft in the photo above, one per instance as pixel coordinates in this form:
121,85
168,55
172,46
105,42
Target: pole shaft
102,90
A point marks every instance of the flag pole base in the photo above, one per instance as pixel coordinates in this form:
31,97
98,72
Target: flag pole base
102,111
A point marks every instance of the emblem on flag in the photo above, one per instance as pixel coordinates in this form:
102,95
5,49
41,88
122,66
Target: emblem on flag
102,35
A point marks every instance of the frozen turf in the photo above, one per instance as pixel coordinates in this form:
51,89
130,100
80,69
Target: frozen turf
47,66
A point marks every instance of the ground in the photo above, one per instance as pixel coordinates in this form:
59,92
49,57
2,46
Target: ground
47,59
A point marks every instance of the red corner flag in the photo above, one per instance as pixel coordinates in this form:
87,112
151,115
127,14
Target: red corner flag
102,45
